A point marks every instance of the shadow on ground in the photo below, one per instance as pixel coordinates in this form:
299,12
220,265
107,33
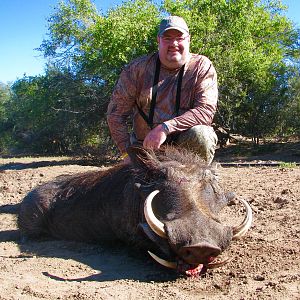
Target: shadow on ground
107,262
93,161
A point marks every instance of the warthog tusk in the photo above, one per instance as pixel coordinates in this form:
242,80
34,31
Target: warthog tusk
214,265
165,263
241,230
156,225
173,265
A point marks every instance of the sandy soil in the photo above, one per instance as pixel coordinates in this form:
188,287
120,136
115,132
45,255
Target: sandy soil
265,263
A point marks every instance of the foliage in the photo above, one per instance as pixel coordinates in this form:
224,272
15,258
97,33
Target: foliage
99,46
287,165
54,113
248,43
4,97
253,46
290,120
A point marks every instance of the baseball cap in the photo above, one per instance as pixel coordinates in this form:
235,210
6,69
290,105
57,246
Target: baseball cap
173,22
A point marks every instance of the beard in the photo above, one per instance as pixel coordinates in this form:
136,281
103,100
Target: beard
174,57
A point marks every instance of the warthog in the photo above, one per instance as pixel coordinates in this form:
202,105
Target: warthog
165,201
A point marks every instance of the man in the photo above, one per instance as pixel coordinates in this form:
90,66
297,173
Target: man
171,96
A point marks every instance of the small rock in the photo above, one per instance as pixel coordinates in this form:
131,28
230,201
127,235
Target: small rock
271,284
285,191
280,200
217,286
232,274
259,278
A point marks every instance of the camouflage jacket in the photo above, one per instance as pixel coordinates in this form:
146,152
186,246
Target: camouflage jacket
198,101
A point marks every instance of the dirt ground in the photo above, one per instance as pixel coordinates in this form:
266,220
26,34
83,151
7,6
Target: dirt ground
265,263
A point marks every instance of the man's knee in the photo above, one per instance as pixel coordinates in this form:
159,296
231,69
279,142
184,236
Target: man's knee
201,139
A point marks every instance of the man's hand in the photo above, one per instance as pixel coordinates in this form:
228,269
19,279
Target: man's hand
155,138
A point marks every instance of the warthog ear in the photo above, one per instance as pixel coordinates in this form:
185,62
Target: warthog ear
142,158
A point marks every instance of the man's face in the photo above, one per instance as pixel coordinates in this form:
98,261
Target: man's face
174,48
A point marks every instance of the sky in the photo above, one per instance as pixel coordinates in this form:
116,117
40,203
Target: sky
23,25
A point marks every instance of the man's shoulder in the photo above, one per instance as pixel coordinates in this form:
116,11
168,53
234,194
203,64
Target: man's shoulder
199,59
200,64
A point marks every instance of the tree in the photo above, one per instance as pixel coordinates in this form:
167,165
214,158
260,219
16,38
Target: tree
97,46
4,98
94,48
55,113
290,120
248,41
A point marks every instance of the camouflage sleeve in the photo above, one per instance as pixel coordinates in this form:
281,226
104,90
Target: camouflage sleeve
120,108
205,101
